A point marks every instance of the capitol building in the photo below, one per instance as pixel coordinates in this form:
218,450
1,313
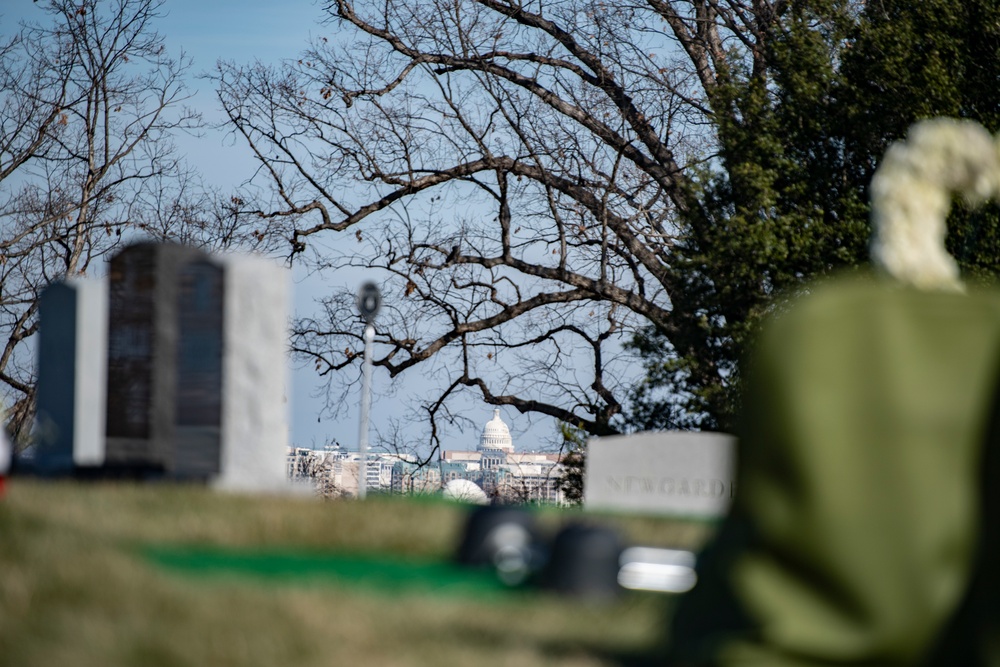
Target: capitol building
500,471
493,472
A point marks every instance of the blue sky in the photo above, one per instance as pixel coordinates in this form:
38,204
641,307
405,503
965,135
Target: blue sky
265,30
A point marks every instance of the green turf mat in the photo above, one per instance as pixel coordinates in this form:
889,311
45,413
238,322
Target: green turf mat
380,572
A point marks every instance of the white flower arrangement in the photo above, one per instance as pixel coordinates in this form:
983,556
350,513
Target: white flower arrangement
911,193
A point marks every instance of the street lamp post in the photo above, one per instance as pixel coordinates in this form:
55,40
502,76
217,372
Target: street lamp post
369,301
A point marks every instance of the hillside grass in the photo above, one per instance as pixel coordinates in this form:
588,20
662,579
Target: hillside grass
77,585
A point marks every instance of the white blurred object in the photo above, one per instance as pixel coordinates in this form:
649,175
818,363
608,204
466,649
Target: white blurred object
4,452
465,491
911,194
659,570
5,455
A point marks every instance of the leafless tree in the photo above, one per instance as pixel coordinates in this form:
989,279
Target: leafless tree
90,99
514,172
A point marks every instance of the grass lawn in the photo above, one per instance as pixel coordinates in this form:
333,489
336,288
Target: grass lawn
155,575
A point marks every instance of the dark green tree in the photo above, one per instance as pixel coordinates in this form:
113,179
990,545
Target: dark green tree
787,199
574,451
910,61
778,208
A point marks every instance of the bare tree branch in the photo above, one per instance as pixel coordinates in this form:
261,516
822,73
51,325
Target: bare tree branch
514,173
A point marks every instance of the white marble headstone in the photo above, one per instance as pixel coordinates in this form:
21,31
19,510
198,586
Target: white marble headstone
254,368
679,473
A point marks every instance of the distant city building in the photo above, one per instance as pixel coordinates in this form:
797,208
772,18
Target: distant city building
336,471
503,474
494,467
412,477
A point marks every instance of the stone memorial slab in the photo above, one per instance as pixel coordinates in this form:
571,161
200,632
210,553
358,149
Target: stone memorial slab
143,334
72,369
254,418
680,473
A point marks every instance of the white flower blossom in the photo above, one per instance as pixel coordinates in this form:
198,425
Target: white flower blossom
911,193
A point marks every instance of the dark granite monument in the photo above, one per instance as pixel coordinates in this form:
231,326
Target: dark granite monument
143,334
73,322
199,370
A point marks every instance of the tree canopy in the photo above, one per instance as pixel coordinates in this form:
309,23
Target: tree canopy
554,191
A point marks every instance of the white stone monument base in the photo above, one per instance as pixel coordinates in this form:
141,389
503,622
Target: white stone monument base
677,473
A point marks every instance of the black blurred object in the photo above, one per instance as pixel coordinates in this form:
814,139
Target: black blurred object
584,563
504,538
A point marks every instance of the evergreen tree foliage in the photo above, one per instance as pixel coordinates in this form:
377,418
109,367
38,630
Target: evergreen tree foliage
785,201
574,450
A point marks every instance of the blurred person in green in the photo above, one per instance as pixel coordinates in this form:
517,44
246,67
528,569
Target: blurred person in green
863,531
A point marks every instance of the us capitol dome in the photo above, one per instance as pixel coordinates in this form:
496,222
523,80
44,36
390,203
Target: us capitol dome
496,435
